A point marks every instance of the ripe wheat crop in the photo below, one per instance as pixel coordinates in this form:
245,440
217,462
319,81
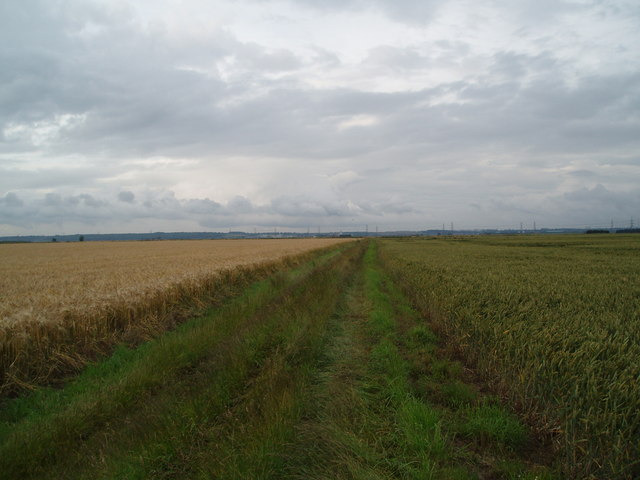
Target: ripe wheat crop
556,319
62,303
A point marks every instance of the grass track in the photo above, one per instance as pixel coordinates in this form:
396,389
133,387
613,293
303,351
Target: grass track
387,405
321,373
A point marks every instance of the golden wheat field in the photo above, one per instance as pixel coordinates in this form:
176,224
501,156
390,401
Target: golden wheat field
61,304
39,281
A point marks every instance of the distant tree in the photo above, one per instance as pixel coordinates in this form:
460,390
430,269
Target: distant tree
54,239
81,239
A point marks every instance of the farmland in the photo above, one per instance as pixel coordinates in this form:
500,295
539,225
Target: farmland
417,358
38,282
554,321
319,371
61,303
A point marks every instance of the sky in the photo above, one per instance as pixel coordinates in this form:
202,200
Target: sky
215,115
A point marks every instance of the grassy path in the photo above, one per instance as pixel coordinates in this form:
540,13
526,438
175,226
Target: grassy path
388,403
324,372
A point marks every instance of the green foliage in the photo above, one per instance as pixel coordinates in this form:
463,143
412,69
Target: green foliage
458,394
421,426
492,422
444,369
420,337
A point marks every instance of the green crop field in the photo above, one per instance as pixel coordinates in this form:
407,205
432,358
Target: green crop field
418,358
554,321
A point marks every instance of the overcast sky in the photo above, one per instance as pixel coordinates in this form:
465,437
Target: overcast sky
174,115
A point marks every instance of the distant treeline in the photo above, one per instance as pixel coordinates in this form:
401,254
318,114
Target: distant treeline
622,230
97,237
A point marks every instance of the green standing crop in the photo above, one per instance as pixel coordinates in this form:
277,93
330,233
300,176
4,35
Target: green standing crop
554,321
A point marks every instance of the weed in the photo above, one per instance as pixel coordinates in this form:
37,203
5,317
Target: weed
491,422
458,394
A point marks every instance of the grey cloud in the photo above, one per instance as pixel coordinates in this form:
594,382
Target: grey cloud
254,57
540,11
239,205
152,95
90,92
411,11
512,66
582,174
508,208
544,114
406,11
52,199
621,160
57,200
55,209
422,12
290,122
85,208
587,206
388,208
396,58
590,97
325,58
201,206
126,196
47,71
90,201
151,108
301,206
602,199
11,200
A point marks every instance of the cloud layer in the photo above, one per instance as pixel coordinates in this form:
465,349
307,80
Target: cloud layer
166,115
